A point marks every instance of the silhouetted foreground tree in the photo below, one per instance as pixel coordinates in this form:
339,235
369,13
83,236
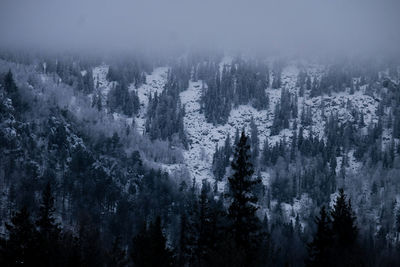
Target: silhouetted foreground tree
210,233
21,246
335,242
149,247
245,226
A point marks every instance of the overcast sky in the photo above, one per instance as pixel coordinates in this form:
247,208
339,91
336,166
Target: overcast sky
284,25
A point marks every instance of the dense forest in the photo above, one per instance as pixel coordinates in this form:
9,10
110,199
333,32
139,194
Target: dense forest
82,185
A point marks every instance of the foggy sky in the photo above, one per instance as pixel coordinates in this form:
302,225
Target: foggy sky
276,25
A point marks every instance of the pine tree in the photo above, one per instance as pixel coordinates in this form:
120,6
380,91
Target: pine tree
12,90
189,228
20,248
320,249
46,223
9,83
245,226
207,227
117,254
345,233
149,247
344,221
254,142
398,221
48,230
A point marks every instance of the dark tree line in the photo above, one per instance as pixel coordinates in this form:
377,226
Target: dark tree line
165,113
221,158
285,110
209,234
240,83
110,209
336,242
121,99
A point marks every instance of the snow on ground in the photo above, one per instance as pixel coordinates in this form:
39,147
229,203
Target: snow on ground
101,84
289,78
341,104
100,78
204,136
154,83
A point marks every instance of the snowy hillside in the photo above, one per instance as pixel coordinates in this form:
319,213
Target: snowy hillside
204,136
154,84
101,83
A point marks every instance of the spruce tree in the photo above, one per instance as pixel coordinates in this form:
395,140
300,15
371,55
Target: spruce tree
20,248
345,233
149,247
46,222
344,221
245,226
320,249
117,254
254,141
48,229
9,83
12,90
206,224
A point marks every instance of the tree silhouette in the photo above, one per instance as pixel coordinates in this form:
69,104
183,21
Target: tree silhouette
20,248
245,226
149,247
320,248
48,229
336,235
345,232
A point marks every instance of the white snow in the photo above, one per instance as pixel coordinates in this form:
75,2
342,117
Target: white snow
102,85
340,104
204,136
154,84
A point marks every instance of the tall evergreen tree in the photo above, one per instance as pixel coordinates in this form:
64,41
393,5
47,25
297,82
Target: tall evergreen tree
48,229
117,254
345,233
320,249
9,83
149,247
255,150
12,89
21,247
245,225
344,221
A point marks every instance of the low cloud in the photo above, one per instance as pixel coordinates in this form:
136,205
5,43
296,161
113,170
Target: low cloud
254,25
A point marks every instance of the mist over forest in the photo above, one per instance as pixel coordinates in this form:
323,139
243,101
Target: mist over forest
199,133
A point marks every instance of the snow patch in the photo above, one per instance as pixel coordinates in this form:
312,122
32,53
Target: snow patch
155,83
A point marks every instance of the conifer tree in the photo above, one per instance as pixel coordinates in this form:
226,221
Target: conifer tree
254,141
117,254
149,247
48,229
9,83
344,221
12,89
20,248
245,225
320,249
207,227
